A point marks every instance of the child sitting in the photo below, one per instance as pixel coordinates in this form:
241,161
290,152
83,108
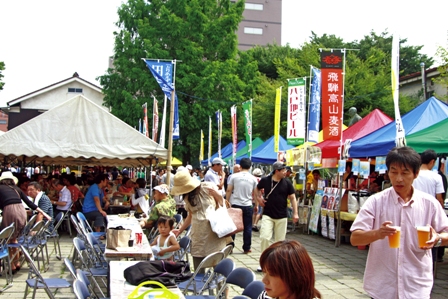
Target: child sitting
167,238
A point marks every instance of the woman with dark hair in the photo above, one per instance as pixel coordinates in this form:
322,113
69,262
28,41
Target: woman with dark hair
288,272
198,197
11,198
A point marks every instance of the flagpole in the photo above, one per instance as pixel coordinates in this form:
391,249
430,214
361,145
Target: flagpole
170,133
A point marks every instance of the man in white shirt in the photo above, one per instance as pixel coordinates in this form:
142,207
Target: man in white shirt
216,174
240,192
429,181
65,198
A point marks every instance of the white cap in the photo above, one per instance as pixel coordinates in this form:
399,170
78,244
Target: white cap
189,167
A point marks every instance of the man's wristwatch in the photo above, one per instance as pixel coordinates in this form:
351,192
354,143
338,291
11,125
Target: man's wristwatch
439,242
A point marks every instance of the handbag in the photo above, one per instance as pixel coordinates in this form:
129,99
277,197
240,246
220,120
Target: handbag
162,292
224,221
117,237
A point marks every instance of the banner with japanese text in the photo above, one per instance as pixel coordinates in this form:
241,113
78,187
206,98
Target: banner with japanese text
314,106
163,73
145,120
219,123
278,106
247,111
201,151
295,129
155,120
209,140
332,94
234,132
400,139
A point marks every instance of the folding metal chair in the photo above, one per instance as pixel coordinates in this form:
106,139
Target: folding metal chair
198,282
182,253
54,234
5,235
83,223
88,265
241,277
253,289
36,281
29,241
67,218
227,250
80,289
178,218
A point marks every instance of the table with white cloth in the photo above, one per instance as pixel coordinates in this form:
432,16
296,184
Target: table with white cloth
137,252
118,286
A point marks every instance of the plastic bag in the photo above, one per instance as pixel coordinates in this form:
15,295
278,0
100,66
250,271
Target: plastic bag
220,221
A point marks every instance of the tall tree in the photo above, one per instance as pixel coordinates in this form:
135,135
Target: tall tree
210,75
2,68
442,53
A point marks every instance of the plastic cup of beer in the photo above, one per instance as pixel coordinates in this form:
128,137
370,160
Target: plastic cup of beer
423,233
394,240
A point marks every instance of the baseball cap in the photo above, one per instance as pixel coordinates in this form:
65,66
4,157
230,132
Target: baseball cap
189,167
278,165
218,161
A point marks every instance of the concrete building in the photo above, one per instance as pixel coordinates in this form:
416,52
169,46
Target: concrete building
37,102
412,85
261,24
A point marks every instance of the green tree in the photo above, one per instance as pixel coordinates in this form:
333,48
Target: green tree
442,53
210,76
2,68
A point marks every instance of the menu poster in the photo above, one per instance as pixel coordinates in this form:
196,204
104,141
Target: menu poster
341,167
380,165
331,228
315,212
356,167
324,225
365,169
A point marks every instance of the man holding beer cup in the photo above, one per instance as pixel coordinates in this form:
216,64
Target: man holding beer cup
400,267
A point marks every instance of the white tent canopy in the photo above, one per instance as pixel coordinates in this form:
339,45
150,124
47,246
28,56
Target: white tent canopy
79,132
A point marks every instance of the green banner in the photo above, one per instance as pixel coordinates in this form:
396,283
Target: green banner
247,112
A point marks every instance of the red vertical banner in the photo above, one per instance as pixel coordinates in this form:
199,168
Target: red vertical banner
155,120
332,94
234,132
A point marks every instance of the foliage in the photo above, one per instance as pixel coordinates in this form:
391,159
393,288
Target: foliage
2,68
210,74
442,53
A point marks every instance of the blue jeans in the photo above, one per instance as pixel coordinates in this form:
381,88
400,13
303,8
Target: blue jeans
247,221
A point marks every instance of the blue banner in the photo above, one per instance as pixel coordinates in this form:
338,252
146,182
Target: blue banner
163,73
314,107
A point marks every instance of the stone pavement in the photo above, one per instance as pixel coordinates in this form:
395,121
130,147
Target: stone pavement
339,270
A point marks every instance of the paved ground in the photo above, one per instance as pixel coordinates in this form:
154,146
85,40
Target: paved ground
339,270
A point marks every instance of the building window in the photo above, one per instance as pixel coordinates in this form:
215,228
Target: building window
253,6
250,30
77,90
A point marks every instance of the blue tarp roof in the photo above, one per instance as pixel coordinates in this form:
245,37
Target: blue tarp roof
265,153
381,141
225,151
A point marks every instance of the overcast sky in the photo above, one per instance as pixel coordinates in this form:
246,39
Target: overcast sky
46,41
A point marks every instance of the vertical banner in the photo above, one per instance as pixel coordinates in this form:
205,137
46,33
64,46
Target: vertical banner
201,150
145,120
400,139
295,133
163,73
155,119
247,111
278,105
332,97
219,124
314,106
209,140
140,125
234,132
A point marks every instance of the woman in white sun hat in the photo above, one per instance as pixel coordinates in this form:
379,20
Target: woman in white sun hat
198,197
